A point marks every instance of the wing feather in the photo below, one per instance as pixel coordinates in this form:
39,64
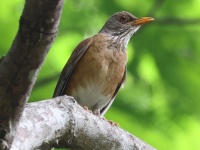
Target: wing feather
104,110
78,52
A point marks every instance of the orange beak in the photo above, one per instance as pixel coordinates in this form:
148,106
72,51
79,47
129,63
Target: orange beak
142,21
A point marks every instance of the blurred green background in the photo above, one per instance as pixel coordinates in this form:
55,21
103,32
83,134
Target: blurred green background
160,102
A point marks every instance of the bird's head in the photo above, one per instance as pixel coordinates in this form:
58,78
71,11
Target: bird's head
123,24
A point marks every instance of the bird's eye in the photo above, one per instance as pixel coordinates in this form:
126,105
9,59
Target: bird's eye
123,19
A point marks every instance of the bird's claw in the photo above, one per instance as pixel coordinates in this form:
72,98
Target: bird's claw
86,108
111,122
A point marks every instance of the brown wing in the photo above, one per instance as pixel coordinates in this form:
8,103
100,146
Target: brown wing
104,110
71,64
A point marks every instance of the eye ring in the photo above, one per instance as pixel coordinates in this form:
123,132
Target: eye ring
123,18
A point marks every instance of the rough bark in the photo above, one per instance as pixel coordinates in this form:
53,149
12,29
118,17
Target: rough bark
19,68
61,122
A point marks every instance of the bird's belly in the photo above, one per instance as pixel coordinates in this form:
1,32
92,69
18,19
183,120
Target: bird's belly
91,96
92,90
96,77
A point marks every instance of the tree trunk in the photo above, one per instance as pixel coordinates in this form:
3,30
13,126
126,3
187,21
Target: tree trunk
38,28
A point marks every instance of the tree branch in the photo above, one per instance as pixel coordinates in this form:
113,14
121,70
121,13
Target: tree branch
19,68
62,123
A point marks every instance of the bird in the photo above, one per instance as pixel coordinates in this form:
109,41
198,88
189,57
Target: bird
96,68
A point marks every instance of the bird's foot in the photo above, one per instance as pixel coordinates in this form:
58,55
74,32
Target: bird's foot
111,122
87,109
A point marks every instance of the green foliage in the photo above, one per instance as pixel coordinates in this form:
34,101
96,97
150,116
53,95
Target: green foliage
160,101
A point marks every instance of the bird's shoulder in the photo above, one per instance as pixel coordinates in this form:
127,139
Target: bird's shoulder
80,48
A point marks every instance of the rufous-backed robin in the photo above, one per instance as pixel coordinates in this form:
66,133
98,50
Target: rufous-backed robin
97,67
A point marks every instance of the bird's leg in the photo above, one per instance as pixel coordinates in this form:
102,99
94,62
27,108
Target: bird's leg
87,109
96,112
